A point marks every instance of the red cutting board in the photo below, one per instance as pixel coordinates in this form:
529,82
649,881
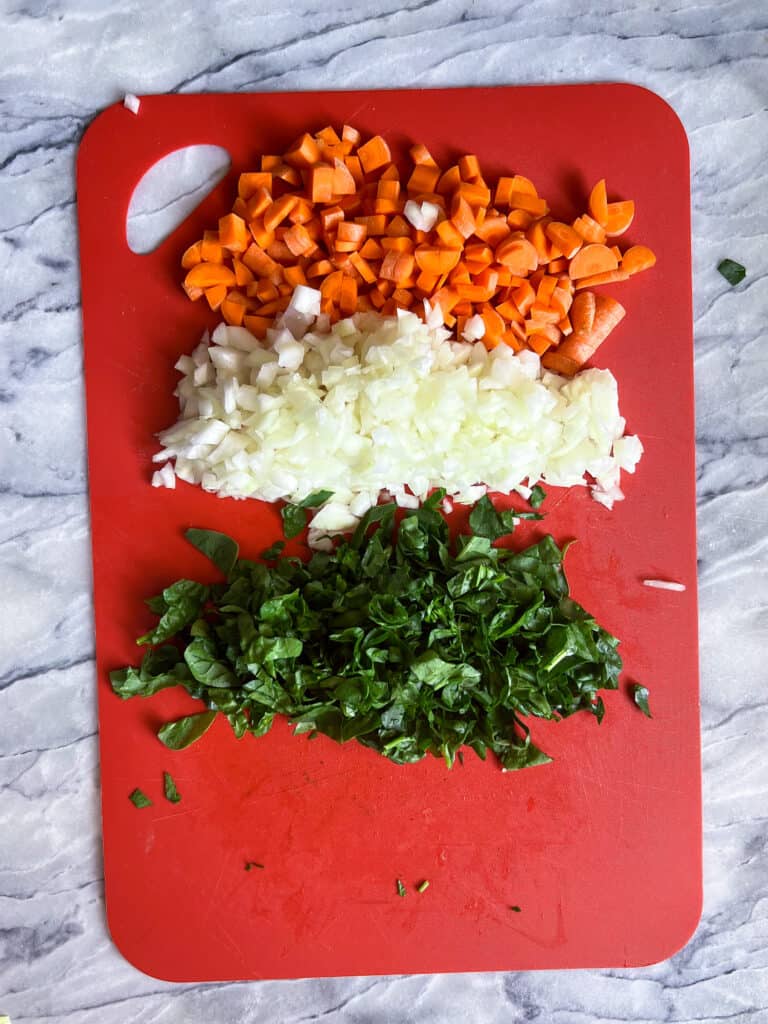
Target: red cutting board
601,850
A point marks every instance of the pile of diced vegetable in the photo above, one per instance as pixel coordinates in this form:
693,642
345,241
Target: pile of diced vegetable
333,213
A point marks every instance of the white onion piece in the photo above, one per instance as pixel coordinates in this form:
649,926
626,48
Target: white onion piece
164,477
132,103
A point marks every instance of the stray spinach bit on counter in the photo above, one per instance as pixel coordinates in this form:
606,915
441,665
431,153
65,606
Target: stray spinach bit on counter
538,494
251,864
399,638
732,271
515,908
640,697
423,886
139,799
170,790
295,516
401,890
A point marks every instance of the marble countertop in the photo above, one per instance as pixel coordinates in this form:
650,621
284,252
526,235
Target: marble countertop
64,61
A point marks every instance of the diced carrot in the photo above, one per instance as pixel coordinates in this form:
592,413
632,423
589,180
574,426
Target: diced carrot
348,296
251,181
474,193
399,226
522,184
592,259
321,268
493,230
374,153
589,229
565,326
192,256
257,325
479,254
216,295
638,258
265,291
371,250
582,344
390,173
564,237
449,234
269,162
436,261
321,184
544,314
518,254
243,274
233,312
509,311
523,297
561,301
557,266
290,175
546,289
209,275
529,203
257,203
421,155
193,292
462,216
276,306
620,216
233,233
402,297
280,252
298,240
424,178
363,267
539,343
598,203
469,168
303,153
344,183
375,225
329,136
449,181
494,324
277,211
295,276
609,277
211,250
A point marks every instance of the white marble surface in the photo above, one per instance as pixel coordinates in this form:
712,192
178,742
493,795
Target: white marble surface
62,62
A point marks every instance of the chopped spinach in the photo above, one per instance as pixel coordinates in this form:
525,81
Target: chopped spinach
640,697
399,638
295,516
139,799
538,494
733,272
401,890
220,548
169,789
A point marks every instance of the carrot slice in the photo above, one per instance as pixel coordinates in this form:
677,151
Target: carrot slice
216,295
589,229
209,275
251,181
609,277
638,258
518,254
320,184
192,256
374,153
592,259
436,261
305,152
564,237
620,216
598,203
583,311
277,211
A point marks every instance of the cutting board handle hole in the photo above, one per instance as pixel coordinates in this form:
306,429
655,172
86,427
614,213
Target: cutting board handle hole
169,191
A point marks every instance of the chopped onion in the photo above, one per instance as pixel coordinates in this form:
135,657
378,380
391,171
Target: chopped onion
394,404
164,477
664,585
132,102
474,328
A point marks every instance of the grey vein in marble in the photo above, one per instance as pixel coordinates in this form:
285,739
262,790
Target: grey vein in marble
62,63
